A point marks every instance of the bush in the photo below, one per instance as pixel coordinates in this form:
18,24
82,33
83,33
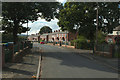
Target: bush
7,38
81,43
101,37
117,55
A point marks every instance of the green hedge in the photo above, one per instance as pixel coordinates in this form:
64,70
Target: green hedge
117,55
81,43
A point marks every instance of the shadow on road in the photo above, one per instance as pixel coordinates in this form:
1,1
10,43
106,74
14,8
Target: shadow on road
73,59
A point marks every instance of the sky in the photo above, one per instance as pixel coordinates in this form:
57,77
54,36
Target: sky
37,25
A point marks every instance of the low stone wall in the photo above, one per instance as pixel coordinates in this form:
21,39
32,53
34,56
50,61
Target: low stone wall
62,45
68,46
105,54
17,57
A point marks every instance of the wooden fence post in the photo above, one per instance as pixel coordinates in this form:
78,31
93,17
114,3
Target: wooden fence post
13,53
23,45
3,56
112,51
94,49
18,47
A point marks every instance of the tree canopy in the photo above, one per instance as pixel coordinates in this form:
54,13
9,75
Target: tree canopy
81,17
45,29
17,13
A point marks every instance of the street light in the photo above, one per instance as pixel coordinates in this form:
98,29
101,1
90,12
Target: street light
96,27
97,23
65,37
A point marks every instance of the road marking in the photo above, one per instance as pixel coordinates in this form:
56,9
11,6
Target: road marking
38,70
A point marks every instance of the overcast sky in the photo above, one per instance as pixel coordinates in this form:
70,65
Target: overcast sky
35,26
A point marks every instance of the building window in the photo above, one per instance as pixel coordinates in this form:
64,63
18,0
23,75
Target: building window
63,38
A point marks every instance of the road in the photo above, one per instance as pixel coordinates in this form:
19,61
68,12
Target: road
59,62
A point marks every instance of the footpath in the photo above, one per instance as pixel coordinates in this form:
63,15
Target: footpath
110,62
24,69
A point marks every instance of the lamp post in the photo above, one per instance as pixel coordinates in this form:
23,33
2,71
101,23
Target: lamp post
97,23
96,27
66,38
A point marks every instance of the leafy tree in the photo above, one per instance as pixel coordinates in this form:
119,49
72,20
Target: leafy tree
80,17
108,16
45,29
7,37
15,14
8,27
75,17
101,37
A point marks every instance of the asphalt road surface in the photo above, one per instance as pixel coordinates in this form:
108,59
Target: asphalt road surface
59,62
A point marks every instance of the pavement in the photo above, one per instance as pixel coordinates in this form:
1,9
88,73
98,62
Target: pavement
25,68
61,62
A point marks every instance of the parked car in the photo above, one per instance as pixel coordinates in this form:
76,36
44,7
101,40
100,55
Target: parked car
42,43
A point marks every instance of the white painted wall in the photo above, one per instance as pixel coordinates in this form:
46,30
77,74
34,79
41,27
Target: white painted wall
115,33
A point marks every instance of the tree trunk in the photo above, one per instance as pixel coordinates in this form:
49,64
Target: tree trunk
15,31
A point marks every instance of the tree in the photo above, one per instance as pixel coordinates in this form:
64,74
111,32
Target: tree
75,17
45,29
15,14
80,17
8,27
101,37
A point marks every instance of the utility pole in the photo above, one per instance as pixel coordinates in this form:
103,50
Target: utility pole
66,38
97,23
96,28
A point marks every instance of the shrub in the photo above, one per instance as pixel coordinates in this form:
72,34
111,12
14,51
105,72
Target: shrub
7,38
101,37
81,43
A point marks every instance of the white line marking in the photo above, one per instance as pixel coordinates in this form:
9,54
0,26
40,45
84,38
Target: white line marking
38,70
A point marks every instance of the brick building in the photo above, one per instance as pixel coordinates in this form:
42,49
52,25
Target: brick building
57,36
34,37
114,35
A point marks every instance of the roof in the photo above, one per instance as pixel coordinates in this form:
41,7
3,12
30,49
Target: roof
33,36
117,28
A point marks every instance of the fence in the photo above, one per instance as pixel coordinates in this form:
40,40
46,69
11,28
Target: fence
10,49
62,43
108,50
116,51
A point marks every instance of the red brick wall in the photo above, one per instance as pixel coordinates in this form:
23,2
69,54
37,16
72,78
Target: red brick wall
111,37
70,36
